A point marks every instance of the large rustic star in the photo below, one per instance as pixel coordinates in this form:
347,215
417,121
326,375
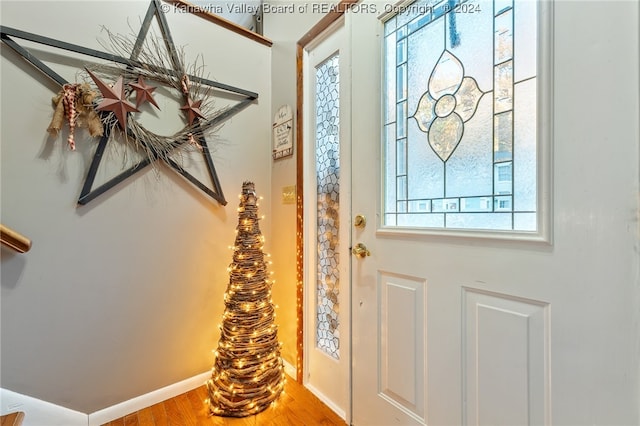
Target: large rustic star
143,92
193,110
154,12
114,99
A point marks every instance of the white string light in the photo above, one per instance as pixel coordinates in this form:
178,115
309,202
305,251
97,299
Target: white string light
248,374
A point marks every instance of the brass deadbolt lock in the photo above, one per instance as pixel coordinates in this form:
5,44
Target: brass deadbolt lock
360,221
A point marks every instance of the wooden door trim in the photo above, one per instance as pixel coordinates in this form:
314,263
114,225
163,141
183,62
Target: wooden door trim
317,29
218,20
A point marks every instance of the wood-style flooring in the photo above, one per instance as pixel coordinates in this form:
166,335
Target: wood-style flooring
13,419
295,407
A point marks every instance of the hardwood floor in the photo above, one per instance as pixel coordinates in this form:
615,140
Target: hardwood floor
13,419
295,407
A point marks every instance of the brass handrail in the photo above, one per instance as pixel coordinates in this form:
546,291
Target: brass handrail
14,240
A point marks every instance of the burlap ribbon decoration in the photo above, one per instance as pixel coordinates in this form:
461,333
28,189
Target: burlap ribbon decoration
74,103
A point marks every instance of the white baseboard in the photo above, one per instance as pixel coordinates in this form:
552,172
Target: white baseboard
138,403
289,369
42,413
38,412
339,411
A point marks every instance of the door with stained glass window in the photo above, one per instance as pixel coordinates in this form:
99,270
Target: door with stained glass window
327,207
448,328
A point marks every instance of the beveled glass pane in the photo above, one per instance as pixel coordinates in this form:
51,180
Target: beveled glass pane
401,207
445,105
390,219
445,134
503,178
401,51
476,204
504,36
401,120
401,32
425,114
427,220
497,221
402,187
503,89
467,98
503,204
525,136
419,206
401,76
525,221
503,137
390,26
445,205
438,205
525,40
328,201
446,77
390,168
401,153
390,78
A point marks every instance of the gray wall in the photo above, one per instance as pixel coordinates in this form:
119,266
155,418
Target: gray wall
122,296
285,29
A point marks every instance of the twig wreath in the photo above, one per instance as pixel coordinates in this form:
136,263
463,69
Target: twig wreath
78,104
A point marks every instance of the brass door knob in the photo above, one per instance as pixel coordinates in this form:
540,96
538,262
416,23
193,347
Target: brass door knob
360,251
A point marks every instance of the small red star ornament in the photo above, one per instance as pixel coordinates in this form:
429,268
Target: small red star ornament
114,99
144,93
193,110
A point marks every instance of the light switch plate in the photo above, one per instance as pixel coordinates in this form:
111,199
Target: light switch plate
289,194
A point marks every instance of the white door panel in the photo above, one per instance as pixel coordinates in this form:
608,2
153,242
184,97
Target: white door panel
505,370
402,308
451,330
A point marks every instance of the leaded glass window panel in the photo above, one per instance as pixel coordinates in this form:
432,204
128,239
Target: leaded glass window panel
328,195
460,115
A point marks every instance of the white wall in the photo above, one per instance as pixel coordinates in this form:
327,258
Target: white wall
122,296
596,349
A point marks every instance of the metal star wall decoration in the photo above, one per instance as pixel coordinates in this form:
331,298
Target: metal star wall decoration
114,99
144,93
193,110
117,104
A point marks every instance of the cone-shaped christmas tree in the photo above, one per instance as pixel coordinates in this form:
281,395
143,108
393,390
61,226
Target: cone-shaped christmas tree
248,374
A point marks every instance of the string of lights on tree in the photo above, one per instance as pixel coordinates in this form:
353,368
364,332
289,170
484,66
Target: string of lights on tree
248,373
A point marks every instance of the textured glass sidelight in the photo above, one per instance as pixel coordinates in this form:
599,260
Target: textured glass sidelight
328,193
460,115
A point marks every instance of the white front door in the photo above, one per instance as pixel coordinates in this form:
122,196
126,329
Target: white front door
327,212
452,329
